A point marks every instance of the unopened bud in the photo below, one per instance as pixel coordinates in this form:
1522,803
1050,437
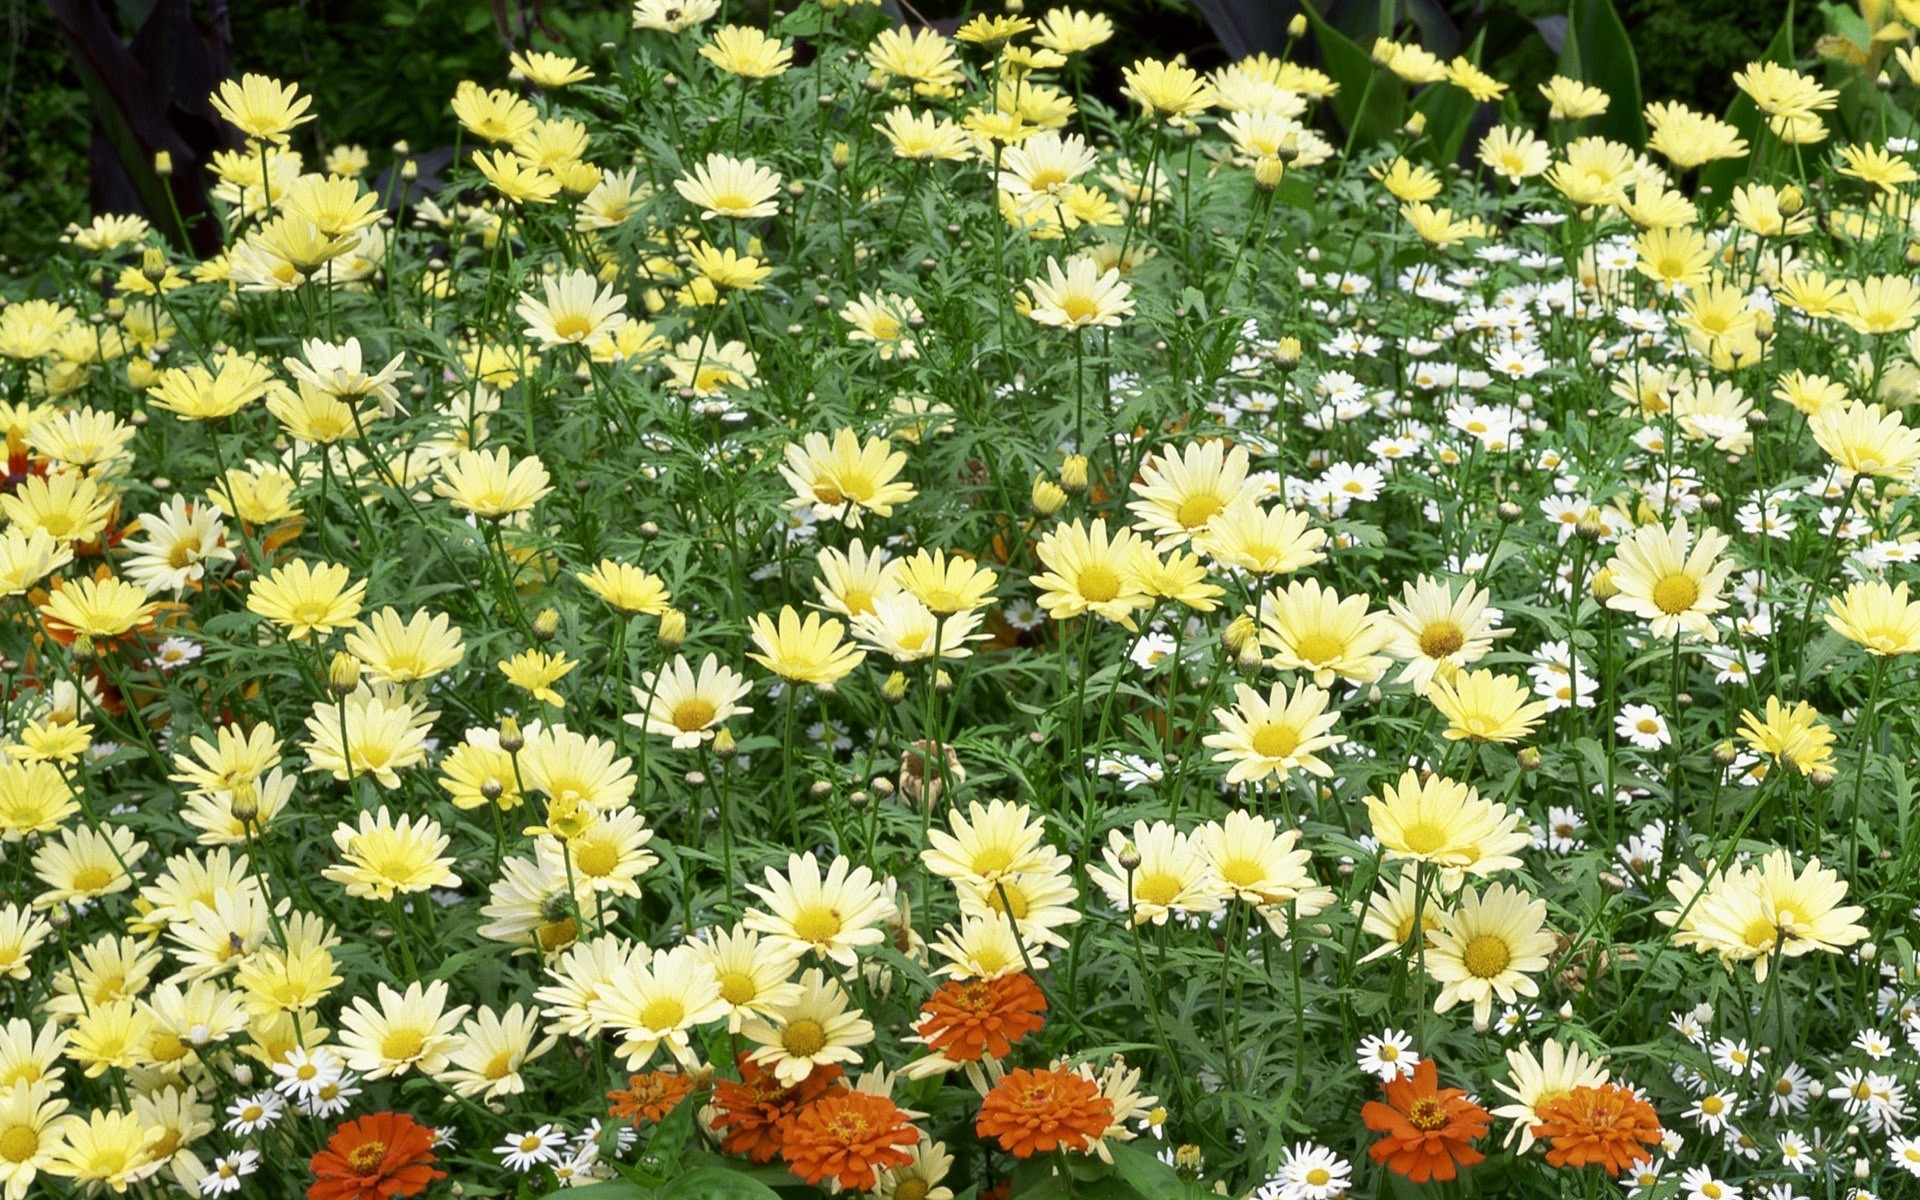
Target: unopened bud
1268,171
1509,511
1286,353
695,778
1821,780
820,788
546,623
511,739
942,682
859,800
1250,658
1528,758
1792,200
162,163
1297,28
343,673
1603,587
491,790
244,802
82,651
1073,473
1239,632
1416,124
153,264
1188,1159
724,747
842,155
894,689
673,629
409,170
1048,496
1726,754
1129,857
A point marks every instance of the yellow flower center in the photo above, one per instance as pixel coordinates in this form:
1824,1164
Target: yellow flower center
1441,639
183,554
737,987
804,1038
1760,933
1242,872
558,933
19,1143
818,924
572,327
1158,888
1080,309
1318,1176
1319,648
1675,594
597,859
91,879
1423,838
1427,1114
1098,583
1486,957
663,1012
1007,896
1196,511
1713,1106
402,1045
1275,741
910,1189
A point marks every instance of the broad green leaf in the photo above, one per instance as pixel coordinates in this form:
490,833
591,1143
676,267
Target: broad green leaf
1371,102
1717,179
716,1183
1449,112
616,1189
1598,52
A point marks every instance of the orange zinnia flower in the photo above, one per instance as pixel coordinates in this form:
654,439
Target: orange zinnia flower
969,1018
1604,1125
649,1097
375,1158
848,1137
754,1112
1425,1127
1044,1110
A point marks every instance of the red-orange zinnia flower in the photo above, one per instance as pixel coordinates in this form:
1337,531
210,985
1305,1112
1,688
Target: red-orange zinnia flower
1041,1111
1605,1125
754,1112
848,1137
968,1018
1425,1127
648,1097
375,1158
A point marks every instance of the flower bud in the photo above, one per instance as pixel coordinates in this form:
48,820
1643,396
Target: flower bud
724,747
1416,124
153,264
1821,780
546,623
1528,758
842,155
1791,200
1129,857
1048,496
1239,632
511,739
343,673
1073,473
1268,172
1286,353
491,790
894,689
673,629
1726,754
1603,586
162,163
1297,28
1509,511
244,802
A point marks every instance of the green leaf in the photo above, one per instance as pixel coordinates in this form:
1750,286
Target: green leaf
1142,1170
1371,102
716,1183
1598,52
1449,112
1717,179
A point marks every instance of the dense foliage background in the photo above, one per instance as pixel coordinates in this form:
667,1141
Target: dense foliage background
379,70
